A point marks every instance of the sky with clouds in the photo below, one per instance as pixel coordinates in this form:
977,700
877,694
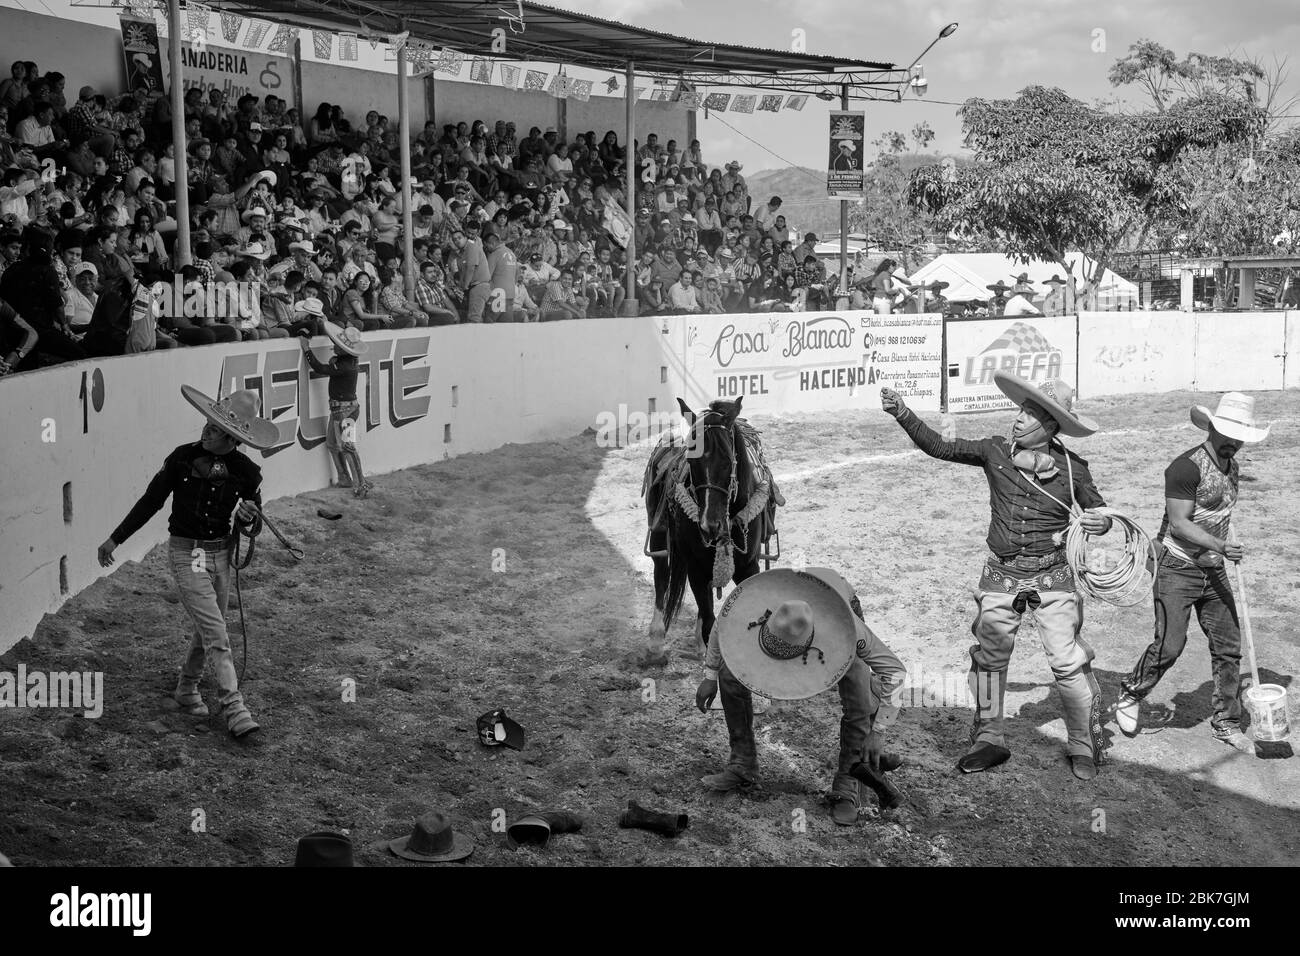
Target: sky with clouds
1000,47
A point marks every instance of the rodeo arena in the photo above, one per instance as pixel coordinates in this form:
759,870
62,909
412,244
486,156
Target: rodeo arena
424,448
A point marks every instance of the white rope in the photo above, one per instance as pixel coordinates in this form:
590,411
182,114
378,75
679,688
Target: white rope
1126,582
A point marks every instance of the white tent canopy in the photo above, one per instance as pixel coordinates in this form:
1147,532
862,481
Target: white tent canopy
969,273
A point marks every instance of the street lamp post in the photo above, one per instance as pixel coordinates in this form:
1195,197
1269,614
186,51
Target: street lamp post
946,32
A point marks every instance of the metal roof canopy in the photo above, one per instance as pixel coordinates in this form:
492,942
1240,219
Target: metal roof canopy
560,36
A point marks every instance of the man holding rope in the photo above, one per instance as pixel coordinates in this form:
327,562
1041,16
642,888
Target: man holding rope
207,481
1200,491
1037,488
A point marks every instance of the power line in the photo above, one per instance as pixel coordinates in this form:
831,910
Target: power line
1023,109
792,165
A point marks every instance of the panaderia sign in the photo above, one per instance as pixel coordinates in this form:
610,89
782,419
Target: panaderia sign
794,361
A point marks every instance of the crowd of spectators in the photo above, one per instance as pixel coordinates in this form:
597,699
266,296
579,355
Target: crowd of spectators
296,222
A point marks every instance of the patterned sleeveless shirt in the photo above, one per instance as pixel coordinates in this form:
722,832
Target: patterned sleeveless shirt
1194,476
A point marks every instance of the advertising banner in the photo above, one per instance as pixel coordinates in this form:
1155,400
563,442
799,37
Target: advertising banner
847,154
1033,348
234,72
143,60
809,361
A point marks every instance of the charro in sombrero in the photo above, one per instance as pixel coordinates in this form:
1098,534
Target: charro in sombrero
1055,396
236,415
786,634
793,634
346,339
1234,418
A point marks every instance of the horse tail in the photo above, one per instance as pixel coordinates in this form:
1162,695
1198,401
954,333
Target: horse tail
678,561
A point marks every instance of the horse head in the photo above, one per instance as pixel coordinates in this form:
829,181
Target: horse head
711,455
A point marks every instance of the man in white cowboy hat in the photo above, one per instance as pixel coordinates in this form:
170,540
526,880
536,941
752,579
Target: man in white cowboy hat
845,162
1200,491
1037,488
1021,301
732,179
254,219
792,635
207,480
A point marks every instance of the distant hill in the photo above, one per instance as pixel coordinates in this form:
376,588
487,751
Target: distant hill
805,204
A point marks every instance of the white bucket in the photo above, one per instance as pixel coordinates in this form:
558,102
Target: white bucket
1268,716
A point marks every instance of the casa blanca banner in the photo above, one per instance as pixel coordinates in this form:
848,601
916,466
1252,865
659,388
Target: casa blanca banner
810,361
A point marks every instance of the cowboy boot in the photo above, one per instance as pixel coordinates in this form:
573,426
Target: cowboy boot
637,817
189,699
1081,703
989,689
537,828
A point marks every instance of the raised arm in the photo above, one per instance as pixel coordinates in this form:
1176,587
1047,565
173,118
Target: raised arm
962,451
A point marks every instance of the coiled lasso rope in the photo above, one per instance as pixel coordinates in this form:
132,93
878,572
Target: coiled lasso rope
1123,584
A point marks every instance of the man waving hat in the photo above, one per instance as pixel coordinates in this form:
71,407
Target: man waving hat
1200,493
791,635
1037,488
207,481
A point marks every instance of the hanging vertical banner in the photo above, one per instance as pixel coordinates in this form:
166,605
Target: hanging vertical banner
534,81
795,102
143,56
230,25
717,101
847,147
580,90
509,76
257,31
347,46
283,39
743,102
480,70
322,44
198,16
770,104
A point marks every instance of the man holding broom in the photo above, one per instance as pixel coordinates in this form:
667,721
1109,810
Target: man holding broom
1200,491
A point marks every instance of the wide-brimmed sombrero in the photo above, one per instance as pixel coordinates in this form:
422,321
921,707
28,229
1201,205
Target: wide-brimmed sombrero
786,634
1054,395
346,339
999,287
1234,418
236,415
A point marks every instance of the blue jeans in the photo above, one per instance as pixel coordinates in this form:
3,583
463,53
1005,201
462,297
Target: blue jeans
860,696
1180,587
204,592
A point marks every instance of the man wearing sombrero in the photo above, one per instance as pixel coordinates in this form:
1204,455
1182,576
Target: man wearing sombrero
791,635
1036,488
1022,295
1193,543
207,481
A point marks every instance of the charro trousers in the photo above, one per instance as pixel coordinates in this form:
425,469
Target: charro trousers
203,579
1179,589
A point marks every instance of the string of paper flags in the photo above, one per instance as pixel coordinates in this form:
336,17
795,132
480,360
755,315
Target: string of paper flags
426,58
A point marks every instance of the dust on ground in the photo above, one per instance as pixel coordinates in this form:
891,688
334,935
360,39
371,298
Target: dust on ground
401,596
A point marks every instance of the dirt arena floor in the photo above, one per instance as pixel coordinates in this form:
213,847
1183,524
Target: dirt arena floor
401,597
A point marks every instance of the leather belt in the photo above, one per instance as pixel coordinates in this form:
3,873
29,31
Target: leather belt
207,544
1027,562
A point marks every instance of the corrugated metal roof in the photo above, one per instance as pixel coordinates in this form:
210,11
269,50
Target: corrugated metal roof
548,34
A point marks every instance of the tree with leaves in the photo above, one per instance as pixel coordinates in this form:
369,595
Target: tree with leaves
1053,174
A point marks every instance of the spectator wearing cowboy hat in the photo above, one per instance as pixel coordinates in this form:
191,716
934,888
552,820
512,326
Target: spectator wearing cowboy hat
208,481
1054,302
1021,301
999,300
1037,487
792,635
1193,544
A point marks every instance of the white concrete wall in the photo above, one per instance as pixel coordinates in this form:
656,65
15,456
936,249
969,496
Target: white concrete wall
83,52
1132,352
358,91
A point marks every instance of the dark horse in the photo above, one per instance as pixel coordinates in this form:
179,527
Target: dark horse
720,470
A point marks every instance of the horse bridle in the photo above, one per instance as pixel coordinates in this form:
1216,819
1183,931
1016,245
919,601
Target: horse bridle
730,492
